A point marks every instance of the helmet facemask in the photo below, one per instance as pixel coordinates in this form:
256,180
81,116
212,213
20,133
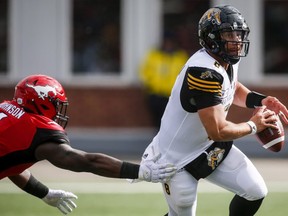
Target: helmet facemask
61,109
230,49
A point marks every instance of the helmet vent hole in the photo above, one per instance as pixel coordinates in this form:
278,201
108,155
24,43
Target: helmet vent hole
35,82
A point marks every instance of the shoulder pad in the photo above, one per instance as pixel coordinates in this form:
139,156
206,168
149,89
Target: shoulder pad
204,79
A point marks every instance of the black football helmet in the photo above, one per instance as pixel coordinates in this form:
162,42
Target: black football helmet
221,19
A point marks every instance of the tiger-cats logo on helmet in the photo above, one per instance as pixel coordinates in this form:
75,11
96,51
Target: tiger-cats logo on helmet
214,15
43,91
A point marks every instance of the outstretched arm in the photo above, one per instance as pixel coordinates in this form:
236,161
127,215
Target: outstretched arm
57,198
66,157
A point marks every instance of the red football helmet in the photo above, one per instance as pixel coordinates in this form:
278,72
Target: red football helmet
43,95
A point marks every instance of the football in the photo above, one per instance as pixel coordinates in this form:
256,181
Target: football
272,139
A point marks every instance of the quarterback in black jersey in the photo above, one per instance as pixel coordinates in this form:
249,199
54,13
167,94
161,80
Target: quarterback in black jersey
32,129
195,134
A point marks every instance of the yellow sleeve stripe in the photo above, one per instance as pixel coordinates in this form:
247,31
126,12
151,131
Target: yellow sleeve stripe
203,85
192,83
206,90
203,81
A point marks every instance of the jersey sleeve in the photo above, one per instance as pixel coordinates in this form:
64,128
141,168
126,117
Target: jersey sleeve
201,88
44,135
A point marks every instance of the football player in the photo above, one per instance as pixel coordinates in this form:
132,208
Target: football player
32,129
195,134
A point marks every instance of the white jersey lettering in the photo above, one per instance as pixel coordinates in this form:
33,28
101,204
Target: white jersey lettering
12,110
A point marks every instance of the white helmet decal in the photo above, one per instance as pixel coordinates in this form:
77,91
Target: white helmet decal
43,91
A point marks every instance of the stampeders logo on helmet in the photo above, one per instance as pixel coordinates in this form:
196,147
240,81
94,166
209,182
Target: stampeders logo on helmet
43,91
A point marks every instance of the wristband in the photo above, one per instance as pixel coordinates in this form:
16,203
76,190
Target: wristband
36,188
253,127
129,170
254,99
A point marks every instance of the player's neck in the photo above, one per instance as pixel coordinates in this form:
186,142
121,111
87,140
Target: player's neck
224,64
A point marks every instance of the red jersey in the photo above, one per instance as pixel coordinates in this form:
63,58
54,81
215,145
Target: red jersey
20,134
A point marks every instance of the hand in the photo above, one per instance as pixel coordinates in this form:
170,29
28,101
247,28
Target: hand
272,103
61,199
264,118
153,172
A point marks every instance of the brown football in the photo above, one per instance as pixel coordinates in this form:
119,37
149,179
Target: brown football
272,139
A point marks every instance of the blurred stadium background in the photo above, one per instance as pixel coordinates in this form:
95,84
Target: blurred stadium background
94,48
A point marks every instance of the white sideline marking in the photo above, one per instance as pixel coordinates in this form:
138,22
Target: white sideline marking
123,187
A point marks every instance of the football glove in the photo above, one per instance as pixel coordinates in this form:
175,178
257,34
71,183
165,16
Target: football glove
152,172
61,199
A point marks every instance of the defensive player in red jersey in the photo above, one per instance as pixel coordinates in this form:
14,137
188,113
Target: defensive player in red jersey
32,129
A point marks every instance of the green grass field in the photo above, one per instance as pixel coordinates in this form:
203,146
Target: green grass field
209,204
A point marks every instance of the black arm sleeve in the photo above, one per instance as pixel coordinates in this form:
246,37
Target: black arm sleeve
254,99
129,170
36,188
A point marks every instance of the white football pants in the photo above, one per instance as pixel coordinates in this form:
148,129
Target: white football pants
236,174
